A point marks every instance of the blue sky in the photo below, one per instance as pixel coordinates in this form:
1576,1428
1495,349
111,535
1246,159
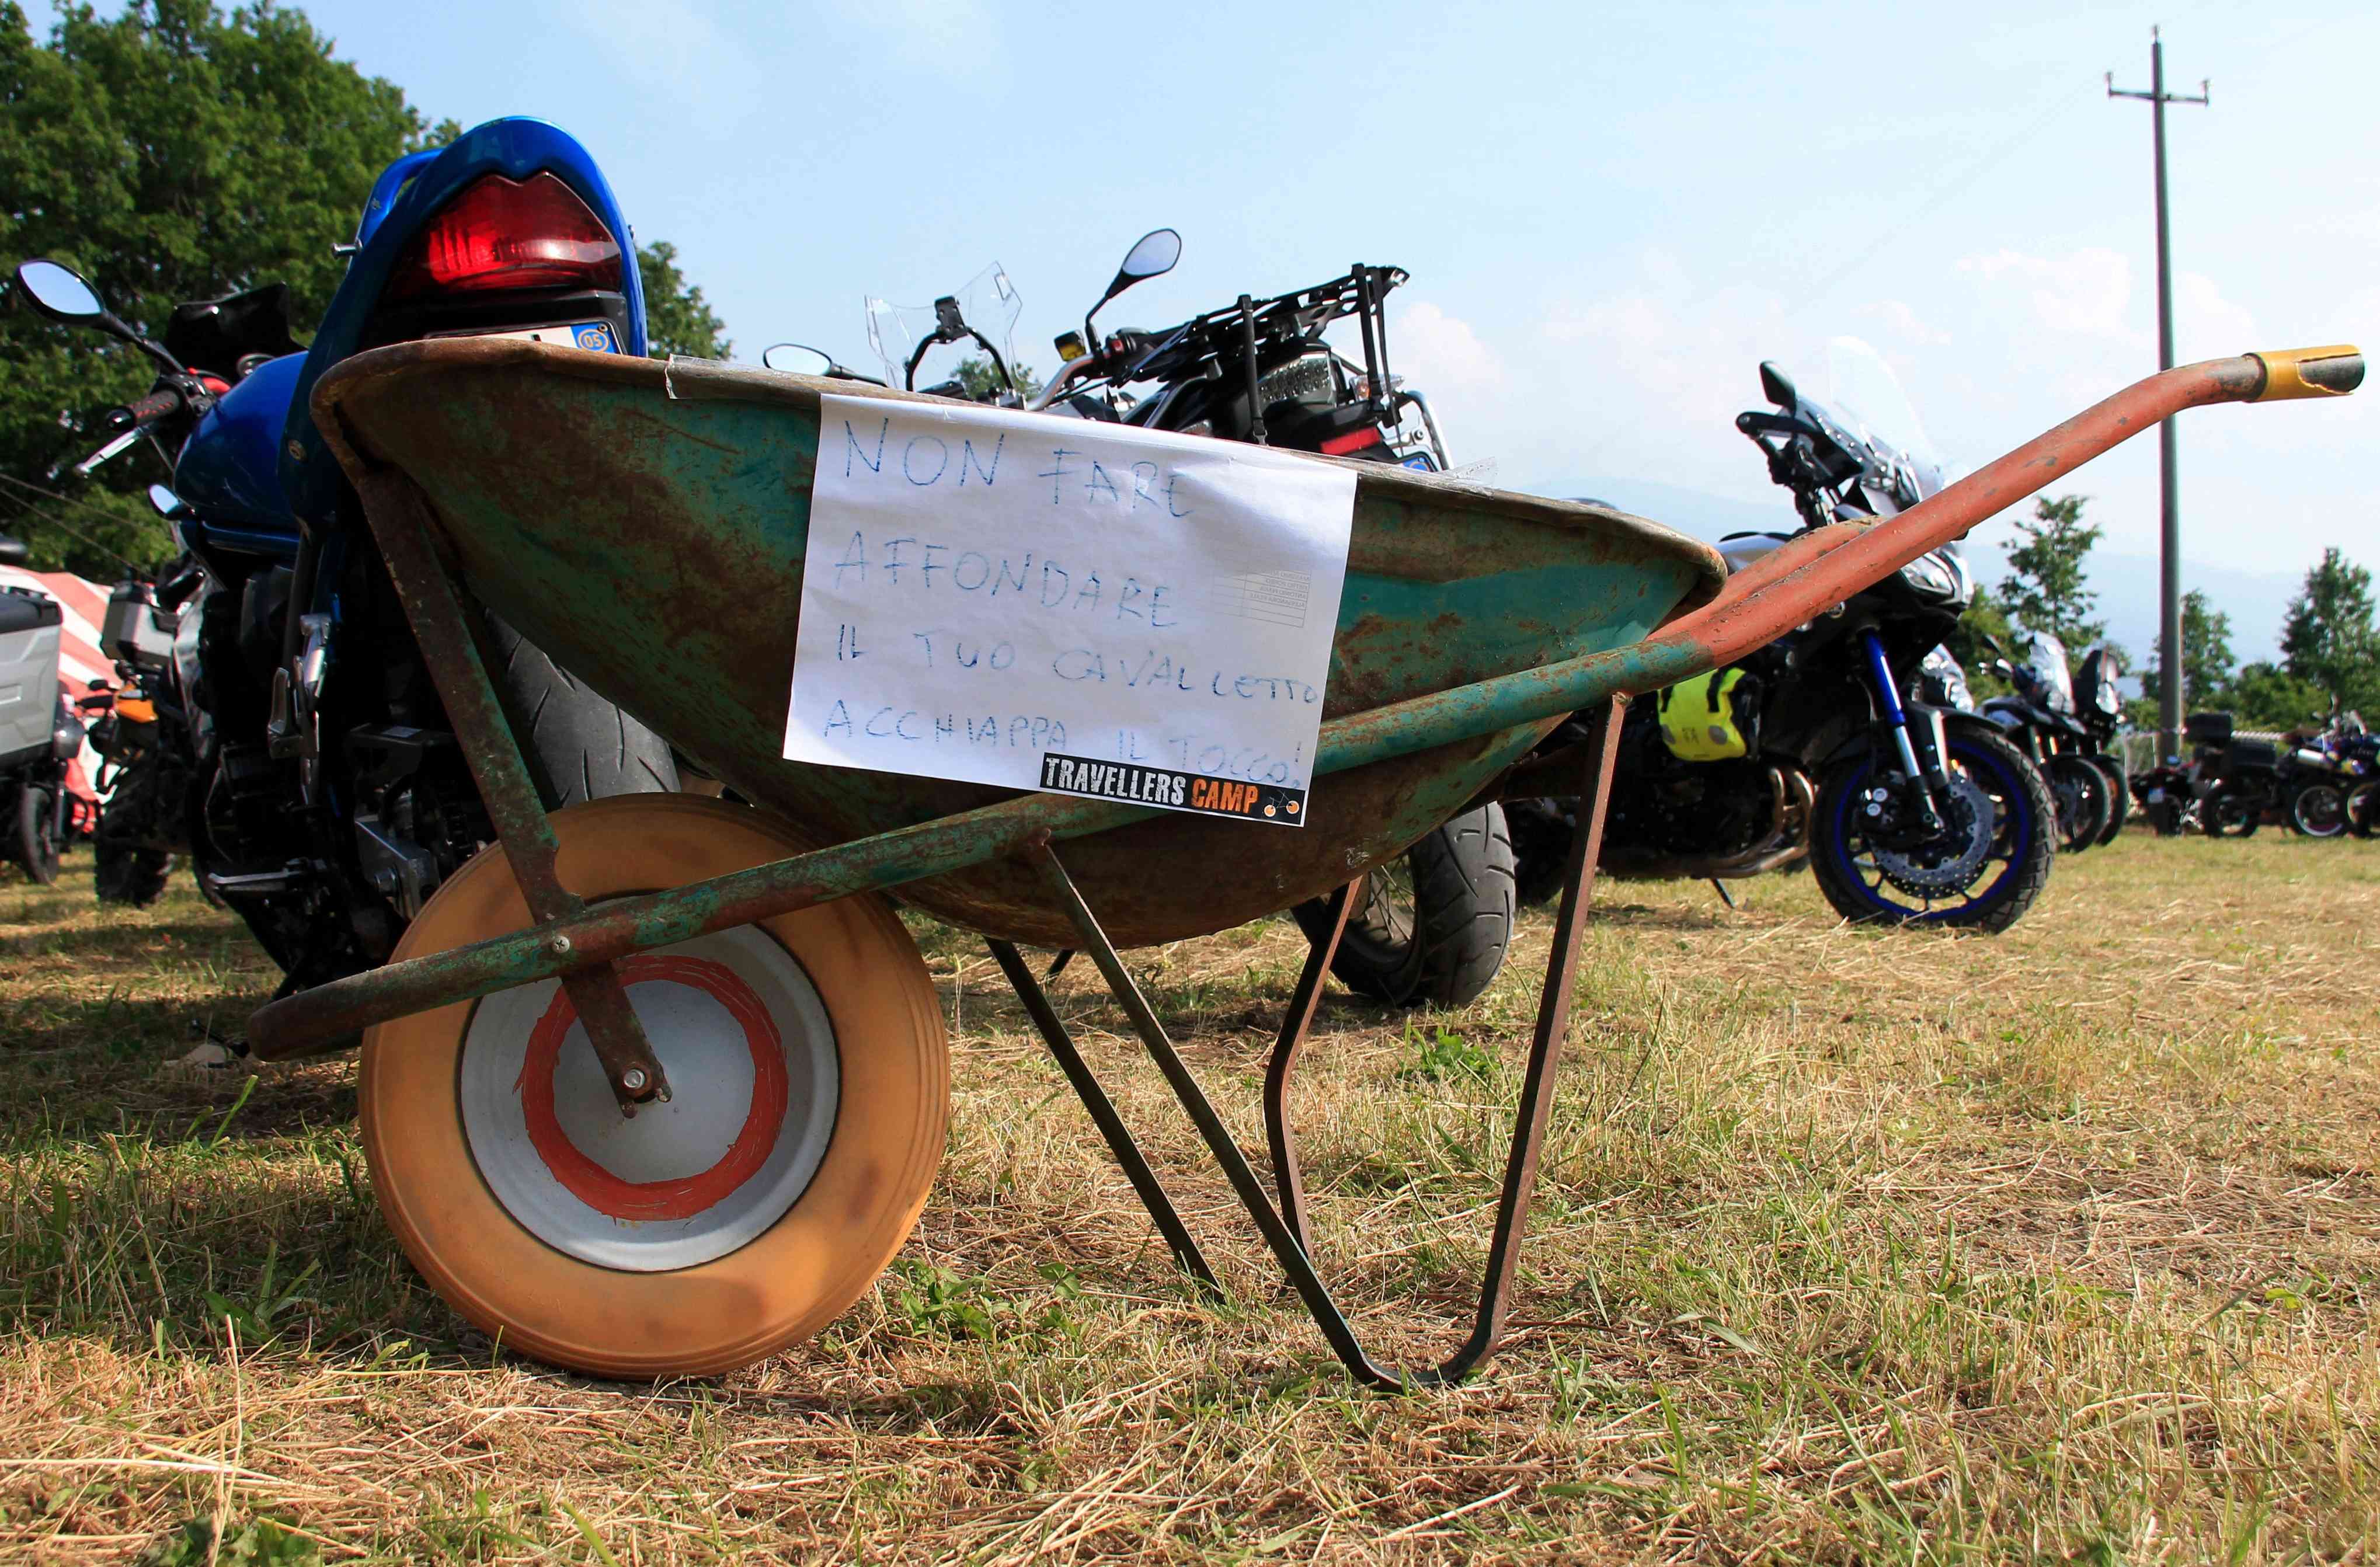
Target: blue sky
1610,213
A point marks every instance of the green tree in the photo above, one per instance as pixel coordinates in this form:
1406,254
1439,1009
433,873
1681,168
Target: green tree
169,152
2266,696
2329,640
974,373
2207,658
2045,586
175,151
678,320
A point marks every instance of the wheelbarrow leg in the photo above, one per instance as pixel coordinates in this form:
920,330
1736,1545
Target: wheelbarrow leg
1288,1183
1186,1255
443,627
1537,1094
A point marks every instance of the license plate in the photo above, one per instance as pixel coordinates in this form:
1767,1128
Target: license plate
595,336
2156,796
1419,462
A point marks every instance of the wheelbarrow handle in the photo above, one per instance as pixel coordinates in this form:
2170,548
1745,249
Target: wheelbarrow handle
1808,574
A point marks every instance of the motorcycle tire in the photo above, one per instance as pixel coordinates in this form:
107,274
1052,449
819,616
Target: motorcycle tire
36,841
577,745
2119,797
2363,809
2227,813
2318,809
2024,836
1431,927
123,874
2081,792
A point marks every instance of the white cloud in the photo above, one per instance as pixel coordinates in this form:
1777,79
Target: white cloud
673,47
2205,324
1904,324
1434,349
948,39
2087,292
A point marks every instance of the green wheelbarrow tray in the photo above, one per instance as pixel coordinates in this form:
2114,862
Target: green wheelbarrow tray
645,523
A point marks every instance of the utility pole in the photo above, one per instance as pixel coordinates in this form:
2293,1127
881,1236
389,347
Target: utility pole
2170,669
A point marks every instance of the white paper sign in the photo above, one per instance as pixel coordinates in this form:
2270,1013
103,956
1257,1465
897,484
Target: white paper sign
1054,603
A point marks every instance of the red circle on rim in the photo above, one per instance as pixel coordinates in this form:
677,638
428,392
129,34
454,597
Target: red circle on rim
684,1196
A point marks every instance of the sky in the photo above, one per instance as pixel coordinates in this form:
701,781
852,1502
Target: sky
1611,214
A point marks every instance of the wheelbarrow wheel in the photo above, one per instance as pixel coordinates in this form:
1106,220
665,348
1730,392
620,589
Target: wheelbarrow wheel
808,1076
1431,927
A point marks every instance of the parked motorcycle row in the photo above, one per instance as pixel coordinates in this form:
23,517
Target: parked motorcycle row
272,722
2321,783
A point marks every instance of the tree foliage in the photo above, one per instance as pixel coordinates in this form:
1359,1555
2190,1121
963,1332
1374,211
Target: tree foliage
2044,587
169,152
982,381
2328,641
678,320
2207,657
173,152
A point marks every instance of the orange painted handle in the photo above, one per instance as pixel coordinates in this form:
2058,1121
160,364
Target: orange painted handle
2310,372
1815,571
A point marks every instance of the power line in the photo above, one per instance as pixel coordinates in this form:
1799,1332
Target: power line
26,509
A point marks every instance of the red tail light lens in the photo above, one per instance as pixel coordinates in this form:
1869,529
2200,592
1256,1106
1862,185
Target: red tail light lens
1354,441
501,234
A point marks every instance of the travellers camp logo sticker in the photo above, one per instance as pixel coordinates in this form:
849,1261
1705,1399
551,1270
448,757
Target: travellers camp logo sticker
1161,786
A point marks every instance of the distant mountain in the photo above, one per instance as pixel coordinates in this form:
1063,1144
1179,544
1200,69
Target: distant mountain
2257,602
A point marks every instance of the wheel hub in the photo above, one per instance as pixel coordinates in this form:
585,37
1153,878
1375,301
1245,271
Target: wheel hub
1948,863
754,1081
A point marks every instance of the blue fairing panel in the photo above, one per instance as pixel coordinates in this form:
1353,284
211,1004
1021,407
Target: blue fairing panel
230,469
399,208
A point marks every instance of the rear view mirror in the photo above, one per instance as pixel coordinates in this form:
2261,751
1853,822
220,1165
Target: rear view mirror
59,292
14,552
1152,256
797,358
1776,387
167,503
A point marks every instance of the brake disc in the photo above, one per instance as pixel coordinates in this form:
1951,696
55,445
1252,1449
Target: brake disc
1926,872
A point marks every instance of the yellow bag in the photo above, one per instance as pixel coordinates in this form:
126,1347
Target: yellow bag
1709,718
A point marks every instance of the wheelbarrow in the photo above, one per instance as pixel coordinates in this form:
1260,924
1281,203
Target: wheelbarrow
656,1084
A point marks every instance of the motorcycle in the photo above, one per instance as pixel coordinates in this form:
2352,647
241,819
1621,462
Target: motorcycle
2168,793
1433,926
2099,706
146,730
327,799
1908,811
2039,718
2238,782
2324,772
37,736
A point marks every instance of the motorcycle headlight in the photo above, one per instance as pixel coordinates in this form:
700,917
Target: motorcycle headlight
1930,577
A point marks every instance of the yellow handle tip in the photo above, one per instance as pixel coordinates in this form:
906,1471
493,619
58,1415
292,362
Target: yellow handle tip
2332,371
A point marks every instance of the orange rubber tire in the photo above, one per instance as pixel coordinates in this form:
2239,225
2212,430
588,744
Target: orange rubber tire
776,1290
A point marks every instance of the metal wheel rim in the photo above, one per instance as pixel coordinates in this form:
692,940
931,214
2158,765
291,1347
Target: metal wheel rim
755,1082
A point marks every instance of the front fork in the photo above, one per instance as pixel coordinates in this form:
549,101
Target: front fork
1919,746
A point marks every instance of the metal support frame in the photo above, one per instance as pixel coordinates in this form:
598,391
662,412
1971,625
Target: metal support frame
1285,1227
447,633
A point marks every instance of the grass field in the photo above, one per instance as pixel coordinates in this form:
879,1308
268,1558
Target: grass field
1852,1247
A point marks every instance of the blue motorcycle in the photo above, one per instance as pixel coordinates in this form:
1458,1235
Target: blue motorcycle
328,798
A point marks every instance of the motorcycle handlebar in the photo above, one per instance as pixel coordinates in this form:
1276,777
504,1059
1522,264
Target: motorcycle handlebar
155,406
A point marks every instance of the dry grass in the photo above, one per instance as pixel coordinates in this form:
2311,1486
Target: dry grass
1852,1248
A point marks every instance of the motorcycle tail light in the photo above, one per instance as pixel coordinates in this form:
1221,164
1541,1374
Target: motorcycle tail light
1354,441
502,235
